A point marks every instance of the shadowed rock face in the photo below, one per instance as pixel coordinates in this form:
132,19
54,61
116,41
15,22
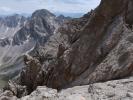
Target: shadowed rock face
129,13
96,48
83,62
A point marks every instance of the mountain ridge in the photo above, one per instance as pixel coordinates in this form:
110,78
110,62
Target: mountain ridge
32,30
83,54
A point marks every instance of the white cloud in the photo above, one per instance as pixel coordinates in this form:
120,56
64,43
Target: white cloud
5,9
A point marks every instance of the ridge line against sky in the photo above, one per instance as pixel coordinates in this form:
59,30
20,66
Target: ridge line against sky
55,6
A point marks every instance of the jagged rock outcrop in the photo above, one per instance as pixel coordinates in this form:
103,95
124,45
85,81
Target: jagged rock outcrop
95,48
12,21
94,55
28,35
111,90
4,42
9,25
40,26
99,49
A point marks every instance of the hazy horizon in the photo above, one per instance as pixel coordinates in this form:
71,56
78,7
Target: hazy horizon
65,7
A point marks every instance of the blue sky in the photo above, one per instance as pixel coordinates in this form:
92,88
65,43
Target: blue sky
58,6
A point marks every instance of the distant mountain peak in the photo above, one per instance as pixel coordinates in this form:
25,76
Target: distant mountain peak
42,12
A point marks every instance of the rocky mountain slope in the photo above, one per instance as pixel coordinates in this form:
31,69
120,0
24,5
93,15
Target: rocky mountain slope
112,90
94,48
97,50
8,27
20,35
